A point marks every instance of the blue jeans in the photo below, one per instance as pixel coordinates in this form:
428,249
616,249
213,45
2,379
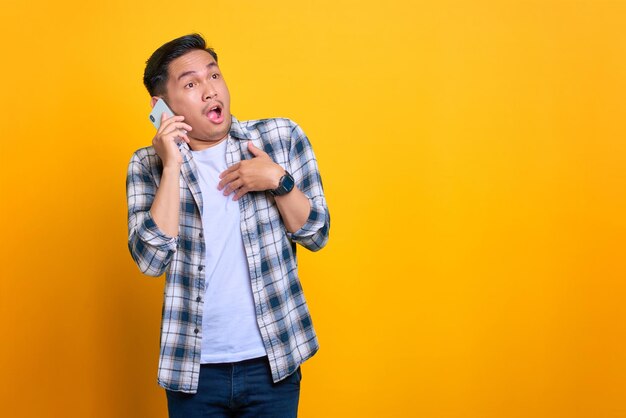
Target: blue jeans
241,389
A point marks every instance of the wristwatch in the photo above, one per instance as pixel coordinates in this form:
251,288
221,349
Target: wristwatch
285,185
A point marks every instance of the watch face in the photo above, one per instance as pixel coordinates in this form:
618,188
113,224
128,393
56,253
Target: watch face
287,183
285,186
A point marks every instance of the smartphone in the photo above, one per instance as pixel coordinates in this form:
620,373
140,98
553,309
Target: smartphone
159,108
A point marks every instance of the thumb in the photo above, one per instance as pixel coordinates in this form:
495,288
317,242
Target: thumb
257,152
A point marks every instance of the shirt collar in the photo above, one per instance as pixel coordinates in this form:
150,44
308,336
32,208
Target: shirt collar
237,131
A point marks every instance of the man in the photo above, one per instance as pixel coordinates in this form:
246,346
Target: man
219,205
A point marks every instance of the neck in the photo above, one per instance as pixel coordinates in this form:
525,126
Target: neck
199,145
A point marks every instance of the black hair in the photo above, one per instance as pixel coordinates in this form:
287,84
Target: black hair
156,72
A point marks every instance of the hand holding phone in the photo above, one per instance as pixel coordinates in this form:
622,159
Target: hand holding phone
159,108
171,131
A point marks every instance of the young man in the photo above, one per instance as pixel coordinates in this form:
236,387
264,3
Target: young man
219,205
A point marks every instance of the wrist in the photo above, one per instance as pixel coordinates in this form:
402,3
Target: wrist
171,169
278,175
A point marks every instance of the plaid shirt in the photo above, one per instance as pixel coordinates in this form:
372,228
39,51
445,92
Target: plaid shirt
281,310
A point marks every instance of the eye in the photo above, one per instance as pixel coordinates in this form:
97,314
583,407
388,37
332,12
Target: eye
190,85
215,76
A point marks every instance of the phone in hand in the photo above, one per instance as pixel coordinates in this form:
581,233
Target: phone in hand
159,108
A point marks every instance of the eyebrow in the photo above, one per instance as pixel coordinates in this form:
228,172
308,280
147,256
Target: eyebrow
186,73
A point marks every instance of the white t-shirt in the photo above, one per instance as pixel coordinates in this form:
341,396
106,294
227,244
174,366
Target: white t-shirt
229,329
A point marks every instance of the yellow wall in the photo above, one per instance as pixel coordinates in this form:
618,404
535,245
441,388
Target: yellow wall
473,154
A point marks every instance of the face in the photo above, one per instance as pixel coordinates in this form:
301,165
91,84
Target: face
197,91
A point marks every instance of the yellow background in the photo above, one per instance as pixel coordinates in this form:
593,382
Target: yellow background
473,156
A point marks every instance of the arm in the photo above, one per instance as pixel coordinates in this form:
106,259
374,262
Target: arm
153,214
149,246
313,234
294,208
166,205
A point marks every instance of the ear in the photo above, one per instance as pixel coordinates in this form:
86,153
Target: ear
154,100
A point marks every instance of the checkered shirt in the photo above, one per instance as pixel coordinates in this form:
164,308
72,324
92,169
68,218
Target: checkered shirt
281,310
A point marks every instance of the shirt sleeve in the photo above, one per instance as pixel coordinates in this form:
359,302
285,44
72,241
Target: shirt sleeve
313,235
150,247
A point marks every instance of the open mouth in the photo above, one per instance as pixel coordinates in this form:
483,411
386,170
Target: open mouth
215,113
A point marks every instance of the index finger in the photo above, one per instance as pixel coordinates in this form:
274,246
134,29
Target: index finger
229,170
166,121
165,116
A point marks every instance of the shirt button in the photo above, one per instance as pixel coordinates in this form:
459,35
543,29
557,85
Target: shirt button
198,299
201,235
199,268
196,330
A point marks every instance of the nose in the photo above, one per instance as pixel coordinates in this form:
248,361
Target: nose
209,92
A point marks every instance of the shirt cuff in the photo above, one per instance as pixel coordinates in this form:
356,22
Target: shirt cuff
315,222
152,235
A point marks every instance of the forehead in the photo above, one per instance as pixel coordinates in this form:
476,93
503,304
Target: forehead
196,60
